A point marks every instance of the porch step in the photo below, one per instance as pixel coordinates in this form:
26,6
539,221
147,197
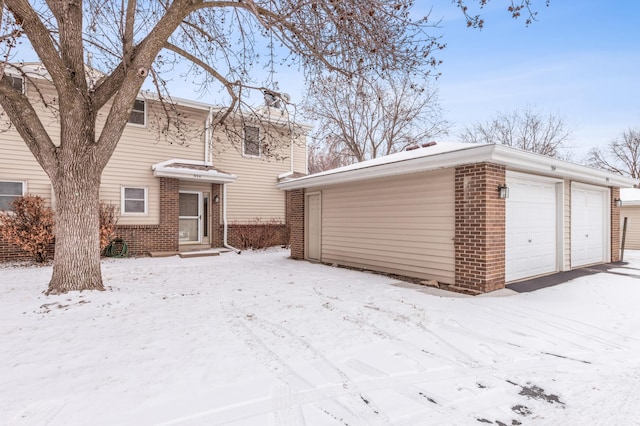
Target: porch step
203,253
162,253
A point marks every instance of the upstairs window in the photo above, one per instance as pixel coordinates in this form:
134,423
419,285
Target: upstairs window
9,191
16,82
134,200
138,114
251,145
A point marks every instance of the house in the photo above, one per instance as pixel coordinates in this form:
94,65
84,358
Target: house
471,217
174,195
630,210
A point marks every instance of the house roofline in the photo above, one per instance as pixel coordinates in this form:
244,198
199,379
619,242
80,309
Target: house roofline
511,158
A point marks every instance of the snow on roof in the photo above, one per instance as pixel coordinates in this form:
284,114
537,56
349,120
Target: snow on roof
436,148
630,196
439,155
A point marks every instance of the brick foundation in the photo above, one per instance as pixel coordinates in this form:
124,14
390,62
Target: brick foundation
479,228
295,213
615,225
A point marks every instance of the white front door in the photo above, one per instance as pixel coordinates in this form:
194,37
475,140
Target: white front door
190,212
531,240
313,224
589,227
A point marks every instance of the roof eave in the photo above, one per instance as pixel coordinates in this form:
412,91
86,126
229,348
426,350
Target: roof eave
509,157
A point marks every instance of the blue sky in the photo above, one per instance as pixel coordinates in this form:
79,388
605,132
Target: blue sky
580,60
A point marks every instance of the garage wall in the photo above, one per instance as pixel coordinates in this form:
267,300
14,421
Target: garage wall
633,226
402,224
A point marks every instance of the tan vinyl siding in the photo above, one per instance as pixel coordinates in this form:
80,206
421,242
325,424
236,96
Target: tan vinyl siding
632,213
17,163
404,225
300,155
254,194
139,148
566,232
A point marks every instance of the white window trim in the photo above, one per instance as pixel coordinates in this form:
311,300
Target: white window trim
122,201
244,139
24,186
129,123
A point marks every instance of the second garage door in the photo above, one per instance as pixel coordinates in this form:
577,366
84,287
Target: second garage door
531,227
589,222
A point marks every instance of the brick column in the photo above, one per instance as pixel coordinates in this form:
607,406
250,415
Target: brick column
615,225
295,220
479,228
169,214
216,216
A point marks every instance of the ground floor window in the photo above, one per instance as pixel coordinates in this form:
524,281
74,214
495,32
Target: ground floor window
9,191
134,200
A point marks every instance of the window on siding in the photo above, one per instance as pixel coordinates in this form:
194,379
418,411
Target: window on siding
138,114
134,200
16,82
251,141
9,191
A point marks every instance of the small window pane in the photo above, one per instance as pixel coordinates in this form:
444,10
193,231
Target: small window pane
188,204
251,141
133,206
10,188
8,192
16,82
134,193
137,114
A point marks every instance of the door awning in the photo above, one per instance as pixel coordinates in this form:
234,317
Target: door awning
190,170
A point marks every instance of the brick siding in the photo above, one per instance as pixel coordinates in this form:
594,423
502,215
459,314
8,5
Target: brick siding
295,207
615,225
479,228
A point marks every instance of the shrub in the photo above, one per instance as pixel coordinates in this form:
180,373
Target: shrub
29,225
108,220
258,233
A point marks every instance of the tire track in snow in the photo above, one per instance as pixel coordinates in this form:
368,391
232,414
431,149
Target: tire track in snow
358,409
457,357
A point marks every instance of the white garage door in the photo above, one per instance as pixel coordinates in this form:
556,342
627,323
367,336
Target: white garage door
531,227
589,227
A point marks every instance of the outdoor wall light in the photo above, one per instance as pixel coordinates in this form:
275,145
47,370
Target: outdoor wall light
503,191
618,202
216,199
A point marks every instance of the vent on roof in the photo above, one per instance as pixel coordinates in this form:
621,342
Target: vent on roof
424,145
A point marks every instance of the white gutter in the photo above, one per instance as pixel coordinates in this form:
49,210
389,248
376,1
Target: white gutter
224,221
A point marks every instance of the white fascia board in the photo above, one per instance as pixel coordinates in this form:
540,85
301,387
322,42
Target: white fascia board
443,160
512,159
539,164
194,175
212,176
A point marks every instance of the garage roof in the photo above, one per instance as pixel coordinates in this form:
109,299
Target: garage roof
451,154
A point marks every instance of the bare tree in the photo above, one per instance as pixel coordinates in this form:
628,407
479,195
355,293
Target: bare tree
620,156
526,129
131,40
361,118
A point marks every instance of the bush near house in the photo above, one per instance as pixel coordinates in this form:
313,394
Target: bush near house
258,233
29,225
108,220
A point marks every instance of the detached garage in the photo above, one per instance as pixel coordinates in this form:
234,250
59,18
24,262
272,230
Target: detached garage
472,217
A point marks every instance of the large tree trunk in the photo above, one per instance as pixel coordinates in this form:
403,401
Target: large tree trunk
77,249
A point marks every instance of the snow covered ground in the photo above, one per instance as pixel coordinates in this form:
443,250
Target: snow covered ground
259,339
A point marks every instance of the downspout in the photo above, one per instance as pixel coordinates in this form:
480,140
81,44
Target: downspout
207,138
224,220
